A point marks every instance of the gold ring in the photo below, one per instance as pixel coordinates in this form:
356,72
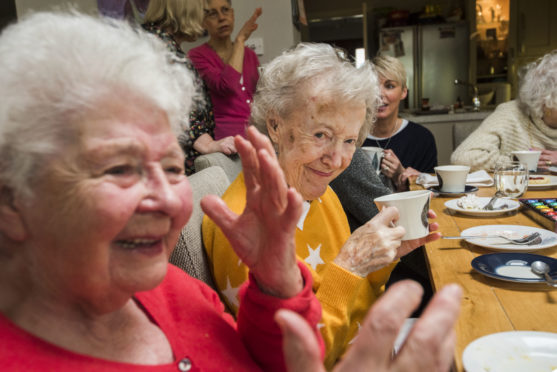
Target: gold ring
548,162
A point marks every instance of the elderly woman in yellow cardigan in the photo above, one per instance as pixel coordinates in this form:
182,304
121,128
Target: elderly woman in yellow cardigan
316,107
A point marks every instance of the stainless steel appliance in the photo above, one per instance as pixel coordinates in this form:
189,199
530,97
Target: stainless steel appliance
434,56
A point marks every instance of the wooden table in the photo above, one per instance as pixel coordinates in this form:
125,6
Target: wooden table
488,305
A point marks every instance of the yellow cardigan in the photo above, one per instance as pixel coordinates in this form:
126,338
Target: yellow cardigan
345,297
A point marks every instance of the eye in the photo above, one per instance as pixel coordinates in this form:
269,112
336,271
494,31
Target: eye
319,135
350,141
174,170
120,170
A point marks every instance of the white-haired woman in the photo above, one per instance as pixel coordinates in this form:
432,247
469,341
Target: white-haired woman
177,21
529,122
316,107
94,197
409,148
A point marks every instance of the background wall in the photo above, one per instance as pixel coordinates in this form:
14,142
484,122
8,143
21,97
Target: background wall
276,30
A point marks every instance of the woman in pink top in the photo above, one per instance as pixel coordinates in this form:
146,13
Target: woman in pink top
228,67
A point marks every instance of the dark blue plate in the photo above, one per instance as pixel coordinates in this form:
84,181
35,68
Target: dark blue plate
513,267
467,189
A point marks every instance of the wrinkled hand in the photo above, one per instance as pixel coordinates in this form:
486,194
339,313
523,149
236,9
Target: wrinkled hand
226,145
408,246
390,165
402,181
548,158
373,245
263,235
429,346
249,26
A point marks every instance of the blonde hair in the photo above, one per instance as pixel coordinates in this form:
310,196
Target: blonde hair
177,16
390,68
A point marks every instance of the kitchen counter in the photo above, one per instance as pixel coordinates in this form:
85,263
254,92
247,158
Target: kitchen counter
449,129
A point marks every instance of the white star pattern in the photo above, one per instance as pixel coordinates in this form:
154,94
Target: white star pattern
314,257
231,293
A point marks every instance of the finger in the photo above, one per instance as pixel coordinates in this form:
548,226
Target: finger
431,214
273,182
217,210
381,327
249,161
387,215
430,338
300,347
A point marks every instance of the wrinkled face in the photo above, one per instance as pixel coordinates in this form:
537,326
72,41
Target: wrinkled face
316,143
391,95
550,117
110,208
219,18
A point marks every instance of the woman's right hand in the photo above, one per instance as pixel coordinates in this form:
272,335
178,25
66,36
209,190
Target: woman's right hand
249,26
373,245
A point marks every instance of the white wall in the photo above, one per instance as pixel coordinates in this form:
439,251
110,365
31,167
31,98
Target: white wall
23,6
275,26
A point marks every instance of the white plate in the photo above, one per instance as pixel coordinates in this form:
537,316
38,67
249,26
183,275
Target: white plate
552,183
549,238
553,169
512,206
517,351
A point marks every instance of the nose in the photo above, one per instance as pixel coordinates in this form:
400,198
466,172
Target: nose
160,195
333,155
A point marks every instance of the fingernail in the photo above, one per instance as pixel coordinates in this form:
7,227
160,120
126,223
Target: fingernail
452,290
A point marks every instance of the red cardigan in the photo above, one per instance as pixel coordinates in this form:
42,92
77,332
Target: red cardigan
192,317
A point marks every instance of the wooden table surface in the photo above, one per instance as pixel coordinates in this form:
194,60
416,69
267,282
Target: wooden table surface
488,305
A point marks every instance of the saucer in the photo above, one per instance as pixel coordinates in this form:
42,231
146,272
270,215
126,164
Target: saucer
512,267
467,190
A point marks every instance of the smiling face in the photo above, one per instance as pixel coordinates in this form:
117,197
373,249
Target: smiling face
218,19
392,93
109,209
316,143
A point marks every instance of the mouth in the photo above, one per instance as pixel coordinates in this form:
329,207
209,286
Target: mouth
322,174
142,245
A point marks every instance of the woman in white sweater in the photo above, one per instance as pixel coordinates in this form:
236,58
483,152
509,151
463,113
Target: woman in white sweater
530,122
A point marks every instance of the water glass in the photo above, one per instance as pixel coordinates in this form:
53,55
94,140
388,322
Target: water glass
511,178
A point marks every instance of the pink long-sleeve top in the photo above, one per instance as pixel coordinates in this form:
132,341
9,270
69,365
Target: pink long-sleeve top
231,91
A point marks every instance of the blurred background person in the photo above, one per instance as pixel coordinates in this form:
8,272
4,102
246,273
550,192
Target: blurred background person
529,122
315,106
228,67
175,22
94,199
409,148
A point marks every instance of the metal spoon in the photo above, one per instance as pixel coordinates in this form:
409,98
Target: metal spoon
542,269
489,205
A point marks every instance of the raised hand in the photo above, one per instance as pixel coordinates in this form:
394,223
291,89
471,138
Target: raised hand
249,26
263,235
428,347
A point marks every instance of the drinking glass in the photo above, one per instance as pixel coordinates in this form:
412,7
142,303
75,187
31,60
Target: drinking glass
511,178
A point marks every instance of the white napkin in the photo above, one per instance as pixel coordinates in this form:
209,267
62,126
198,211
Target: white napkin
479,178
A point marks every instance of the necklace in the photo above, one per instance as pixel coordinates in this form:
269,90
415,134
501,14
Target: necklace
391,136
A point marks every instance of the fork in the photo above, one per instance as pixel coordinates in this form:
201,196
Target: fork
529,239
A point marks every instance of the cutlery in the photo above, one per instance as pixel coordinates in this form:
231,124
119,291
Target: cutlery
489,205
530,239
542,269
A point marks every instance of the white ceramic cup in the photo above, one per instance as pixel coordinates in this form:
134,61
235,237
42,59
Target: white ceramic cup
412,208
375,154
452,178
529,157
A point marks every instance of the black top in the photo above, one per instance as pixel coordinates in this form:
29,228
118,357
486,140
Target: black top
414,146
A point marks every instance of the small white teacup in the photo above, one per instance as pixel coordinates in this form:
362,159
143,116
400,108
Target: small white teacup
530,157
412,208
452,178
375,154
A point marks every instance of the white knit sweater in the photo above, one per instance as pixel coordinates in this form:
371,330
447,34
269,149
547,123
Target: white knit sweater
507,129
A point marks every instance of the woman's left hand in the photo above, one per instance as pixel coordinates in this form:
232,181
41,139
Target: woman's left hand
263,235
548,158
390,165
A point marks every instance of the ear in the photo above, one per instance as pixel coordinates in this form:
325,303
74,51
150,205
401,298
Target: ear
272,124
404,93
11,221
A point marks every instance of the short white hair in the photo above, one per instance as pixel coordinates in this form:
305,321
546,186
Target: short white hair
538,85
285,79
56,65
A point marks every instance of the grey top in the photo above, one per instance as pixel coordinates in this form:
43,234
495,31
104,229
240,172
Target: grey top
356,189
